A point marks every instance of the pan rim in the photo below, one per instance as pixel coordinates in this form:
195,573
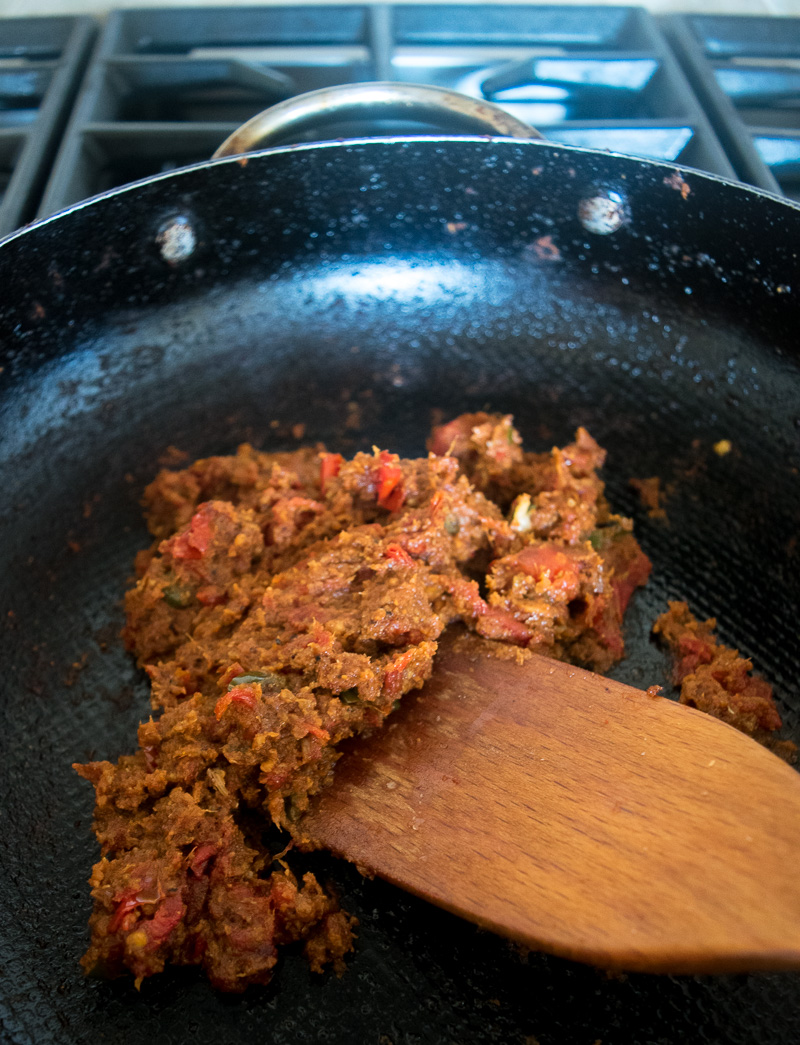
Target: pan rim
403,140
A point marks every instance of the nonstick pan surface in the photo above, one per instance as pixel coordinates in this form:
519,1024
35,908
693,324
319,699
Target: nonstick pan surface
345,293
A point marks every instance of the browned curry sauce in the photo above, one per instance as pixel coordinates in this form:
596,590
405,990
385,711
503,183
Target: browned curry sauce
288,602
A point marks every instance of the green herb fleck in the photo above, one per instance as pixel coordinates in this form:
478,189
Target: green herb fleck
452,525
292,810
178,596
350,696
395,705
600,539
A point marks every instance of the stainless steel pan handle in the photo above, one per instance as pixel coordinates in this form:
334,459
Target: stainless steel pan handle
382,99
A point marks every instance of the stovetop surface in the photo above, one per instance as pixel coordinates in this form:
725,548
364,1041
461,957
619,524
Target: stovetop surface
163,87
746,71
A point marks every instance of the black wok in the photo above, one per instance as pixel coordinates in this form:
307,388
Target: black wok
352,289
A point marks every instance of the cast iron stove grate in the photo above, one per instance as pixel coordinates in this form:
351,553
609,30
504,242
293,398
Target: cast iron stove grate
167,86
41,60
746,71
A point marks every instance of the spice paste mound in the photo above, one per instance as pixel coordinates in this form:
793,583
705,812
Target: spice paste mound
288,602
718,680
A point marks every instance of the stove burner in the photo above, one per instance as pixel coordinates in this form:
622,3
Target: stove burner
747,73
41,60
167,86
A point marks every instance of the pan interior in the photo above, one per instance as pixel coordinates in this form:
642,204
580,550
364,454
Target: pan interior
349,295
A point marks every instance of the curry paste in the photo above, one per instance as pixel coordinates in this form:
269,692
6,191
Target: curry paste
288,602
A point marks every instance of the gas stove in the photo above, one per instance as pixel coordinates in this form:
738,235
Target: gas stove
747,73
41,62
164,87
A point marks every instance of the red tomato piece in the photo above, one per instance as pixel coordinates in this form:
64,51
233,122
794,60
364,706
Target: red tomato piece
605,619
211,595
631,571
244,694
193,543
329,468
393,502
222,705
453,437
164,921
545,563
201,858
467,597
126,903
319,733
396,553
389,480
230,674
393,677
497,623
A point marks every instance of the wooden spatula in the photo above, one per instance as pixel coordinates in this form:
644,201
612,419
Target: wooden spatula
578,816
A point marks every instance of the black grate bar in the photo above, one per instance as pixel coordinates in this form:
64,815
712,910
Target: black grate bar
381,39
745,70
180,30
573,27
41,61
572,70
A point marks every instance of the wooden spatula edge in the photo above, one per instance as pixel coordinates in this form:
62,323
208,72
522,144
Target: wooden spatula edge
577,816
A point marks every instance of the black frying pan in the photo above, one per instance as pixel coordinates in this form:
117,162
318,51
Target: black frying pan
235,301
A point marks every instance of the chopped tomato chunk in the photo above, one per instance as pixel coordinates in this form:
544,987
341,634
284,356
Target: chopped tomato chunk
201,858
467,597
230,674
211,595
453,436
168,913
497,623
319,733
193,543
245,694
329,468
544,562
396,553
390,482
604,618
393,677
126,904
